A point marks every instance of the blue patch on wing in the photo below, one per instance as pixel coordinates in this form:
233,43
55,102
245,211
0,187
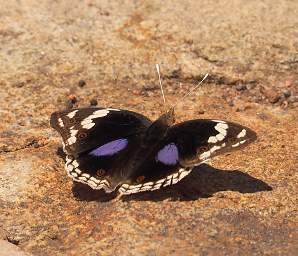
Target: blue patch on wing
110,148
168,155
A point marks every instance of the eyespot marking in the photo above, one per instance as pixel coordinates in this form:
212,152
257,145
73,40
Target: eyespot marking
100,172
140,179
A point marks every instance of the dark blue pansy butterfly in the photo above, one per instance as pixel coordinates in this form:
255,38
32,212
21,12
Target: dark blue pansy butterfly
113,149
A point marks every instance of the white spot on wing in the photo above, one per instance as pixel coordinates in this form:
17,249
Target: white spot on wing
88,123
125,186
75,163
214,148
69,168
122,189
148,184
94,179
212,139
219,121
73,132
220,137
221,130
88,126
71,140
74,174
160,181
221,125
168,181
99,113
205,155
113,109
92,183
60,122
105,182
72,113
183,173
241,134
157,186
78,171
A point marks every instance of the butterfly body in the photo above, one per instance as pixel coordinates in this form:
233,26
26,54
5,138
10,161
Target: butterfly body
114,149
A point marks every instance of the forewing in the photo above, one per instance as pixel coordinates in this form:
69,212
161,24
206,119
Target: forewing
85,129
199,140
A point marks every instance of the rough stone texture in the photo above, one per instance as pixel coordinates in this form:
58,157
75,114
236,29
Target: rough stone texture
8,249
246,204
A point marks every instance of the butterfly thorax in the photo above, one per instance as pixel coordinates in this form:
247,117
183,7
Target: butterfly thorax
150,142
158,129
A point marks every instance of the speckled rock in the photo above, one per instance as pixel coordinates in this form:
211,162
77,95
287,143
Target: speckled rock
243,203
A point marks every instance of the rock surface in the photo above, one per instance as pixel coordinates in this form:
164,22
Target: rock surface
8,249
244,203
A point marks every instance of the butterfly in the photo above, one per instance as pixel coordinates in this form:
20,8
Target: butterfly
114,149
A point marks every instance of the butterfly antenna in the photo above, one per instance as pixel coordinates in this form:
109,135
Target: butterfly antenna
161,88
191,91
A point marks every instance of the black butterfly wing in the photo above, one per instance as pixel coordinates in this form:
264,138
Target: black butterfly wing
97,142
105,166
199,140
87,128
185,145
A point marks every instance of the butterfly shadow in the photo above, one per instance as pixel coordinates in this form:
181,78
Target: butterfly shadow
202,182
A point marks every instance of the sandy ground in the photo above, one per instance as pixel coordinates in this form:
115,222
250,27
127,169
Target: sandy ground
244,203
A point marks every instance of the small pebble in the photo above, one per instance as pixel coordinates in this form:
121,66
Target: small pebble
176,73
150,87
19,84
82,83
287,93
241,87
250,86
93,102
272,95
72,98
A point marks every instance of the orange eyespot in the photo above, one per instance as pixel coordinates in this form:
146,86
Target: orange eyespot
100,172
82,135
140,179
204,149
